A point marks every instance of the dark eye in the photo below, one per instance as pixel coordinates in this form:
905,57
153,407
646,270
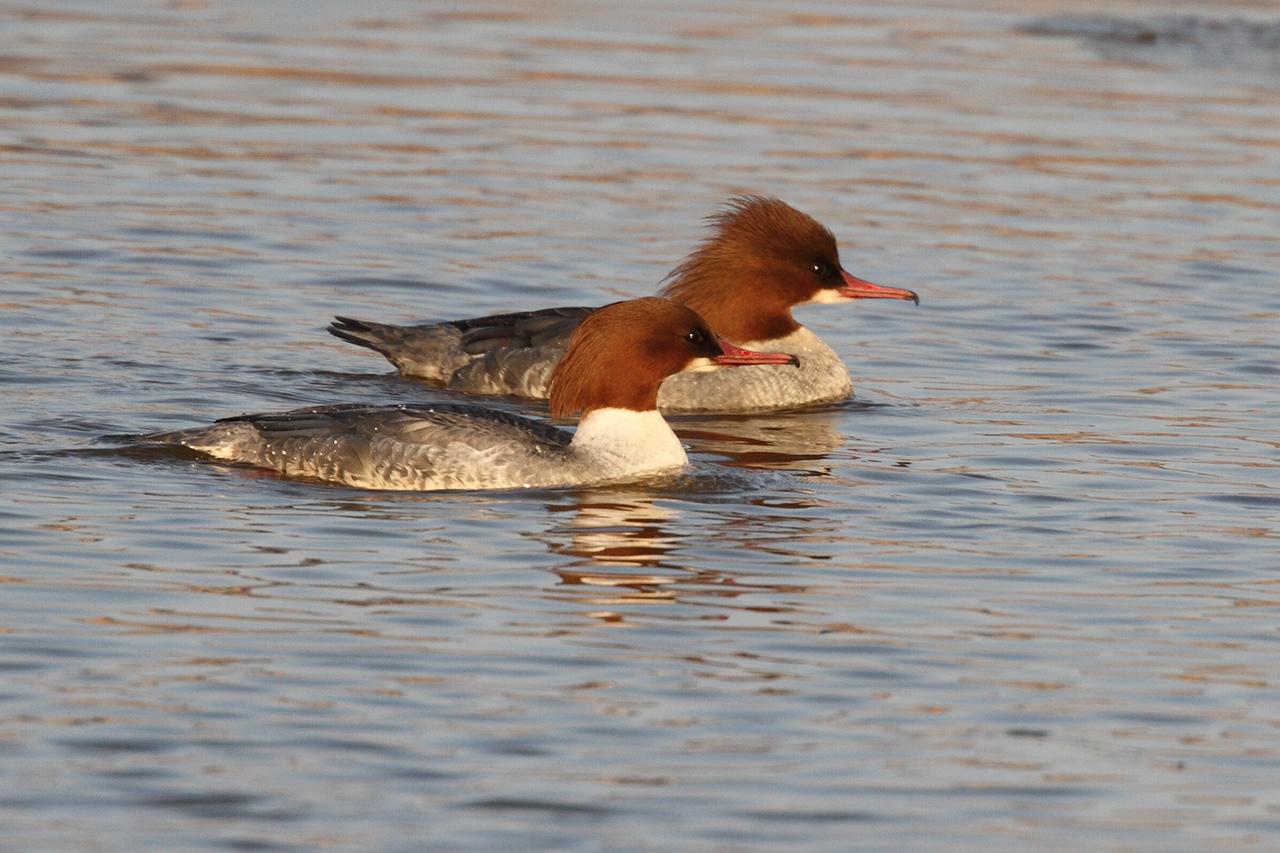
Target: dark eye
695,337
821,269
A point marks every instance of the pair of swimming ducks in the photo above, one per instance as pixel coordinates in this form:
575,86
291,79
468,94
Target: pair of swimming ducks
727,305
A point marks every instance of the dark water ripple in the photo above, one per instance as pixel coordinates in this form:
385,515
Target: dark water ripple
1018,593
1237,43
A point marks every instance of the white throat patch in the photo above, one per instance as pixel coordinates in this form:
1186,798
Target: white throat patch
827,296
633,442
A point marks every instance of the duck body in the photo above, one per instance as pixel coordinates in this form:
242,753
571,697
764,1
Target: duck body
491,356
617,359
427,448
762,259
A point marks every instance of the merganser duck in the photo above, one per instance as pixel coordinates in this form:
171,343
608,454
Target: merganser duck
762,258
616,360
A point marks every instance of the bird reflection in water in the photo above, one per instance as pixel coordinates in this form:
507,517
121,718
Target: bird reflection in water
799,442
624,549
617,528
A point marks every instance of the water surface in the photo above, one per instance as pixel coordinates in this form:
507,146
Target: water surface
1022,591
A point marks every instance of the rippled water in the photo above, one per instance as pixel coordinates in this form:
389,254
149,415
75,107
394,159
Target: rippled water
1024,590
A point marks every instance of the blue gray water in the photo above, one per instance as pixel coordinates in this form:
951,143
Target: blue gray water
1023,591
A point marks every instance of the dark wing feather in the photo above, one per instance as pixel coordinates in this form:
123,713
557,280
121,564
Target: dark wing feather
407,423
549,327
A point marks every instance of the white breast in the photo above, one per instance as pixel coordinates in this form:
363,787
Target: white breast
820,377
628,442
